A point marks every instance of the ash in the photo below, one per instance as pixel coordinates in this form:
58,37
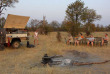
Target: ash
74,56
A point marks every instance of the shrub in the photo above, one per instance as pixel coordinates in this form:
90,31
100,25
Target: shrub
58,37
44,29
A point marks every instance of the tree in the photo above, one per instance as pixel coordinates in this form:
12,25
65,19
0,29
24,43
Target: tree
73,14
108,28
97,28
44,30
34,23
89,28
55,25
88,17
2,22
6,3
102,29
64,25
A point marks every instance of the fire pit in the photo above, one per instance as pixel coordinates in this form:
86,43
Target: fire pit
72,58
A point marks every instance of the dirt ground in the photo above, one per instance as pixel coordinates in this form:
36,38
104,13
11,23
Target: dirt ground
20,61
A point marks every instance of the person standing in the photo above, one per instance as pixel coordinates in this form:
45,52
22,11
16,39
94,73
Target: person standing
36,37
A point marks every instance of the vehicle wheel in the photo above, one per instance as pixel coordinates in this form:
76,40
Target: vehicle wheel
16,44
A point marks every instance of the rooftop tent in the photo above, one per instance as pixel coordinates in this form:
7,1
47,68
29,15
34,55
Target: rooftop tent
16,21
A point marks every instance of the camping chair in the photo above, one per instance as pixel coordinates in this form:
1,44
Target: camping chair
106,43
71,43
97,41
85,40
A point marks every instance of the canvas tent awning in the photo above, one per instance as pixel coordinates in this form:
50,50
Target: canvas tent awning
16,21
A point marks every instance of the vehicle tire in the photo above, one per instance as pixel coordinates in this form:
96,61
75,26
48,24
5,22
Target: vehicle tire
16,44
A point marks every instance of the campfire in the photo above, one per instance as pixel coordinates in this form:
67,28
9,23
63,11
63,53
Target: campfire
73,58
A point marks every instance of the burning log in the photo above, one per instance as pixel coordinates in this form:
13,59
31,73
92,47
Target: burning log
88,63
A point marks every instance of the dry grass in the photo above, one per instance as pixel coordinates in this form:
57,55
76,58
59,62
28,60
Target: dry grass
19,61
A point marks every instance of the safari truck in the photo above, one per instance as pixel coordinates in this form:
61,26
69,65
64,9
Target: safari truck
14,31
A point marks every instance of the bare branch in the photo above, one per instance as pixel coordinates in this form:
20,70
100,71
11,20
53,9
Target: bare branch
6,3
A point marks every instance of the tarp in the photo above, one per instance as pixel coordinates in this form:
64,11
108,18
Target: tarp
16,21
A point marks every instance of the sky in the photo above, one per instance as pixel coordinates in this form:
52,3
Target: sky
54,10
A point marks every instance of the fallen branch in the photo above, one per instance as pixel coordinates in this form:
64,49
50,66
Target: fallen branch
56,56
87,63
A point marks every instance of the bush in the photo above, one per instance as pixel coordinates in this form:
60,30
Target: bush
59,36
44,29
89,28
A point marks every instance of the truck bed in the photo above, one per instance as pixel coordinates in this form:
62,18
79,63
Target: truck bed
11,36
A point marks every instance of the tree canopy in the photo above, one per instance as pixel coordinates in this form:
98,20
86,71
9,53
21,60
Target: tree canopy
78,15
74,11
6,3
89,15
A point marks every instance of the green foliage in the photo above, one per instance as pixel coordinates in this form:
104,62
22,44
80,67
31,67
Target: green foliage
54,25
74,29
73,14
74,11
66,25
79,18
44,29
97,28
108,28
89,28
88,17
41,25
